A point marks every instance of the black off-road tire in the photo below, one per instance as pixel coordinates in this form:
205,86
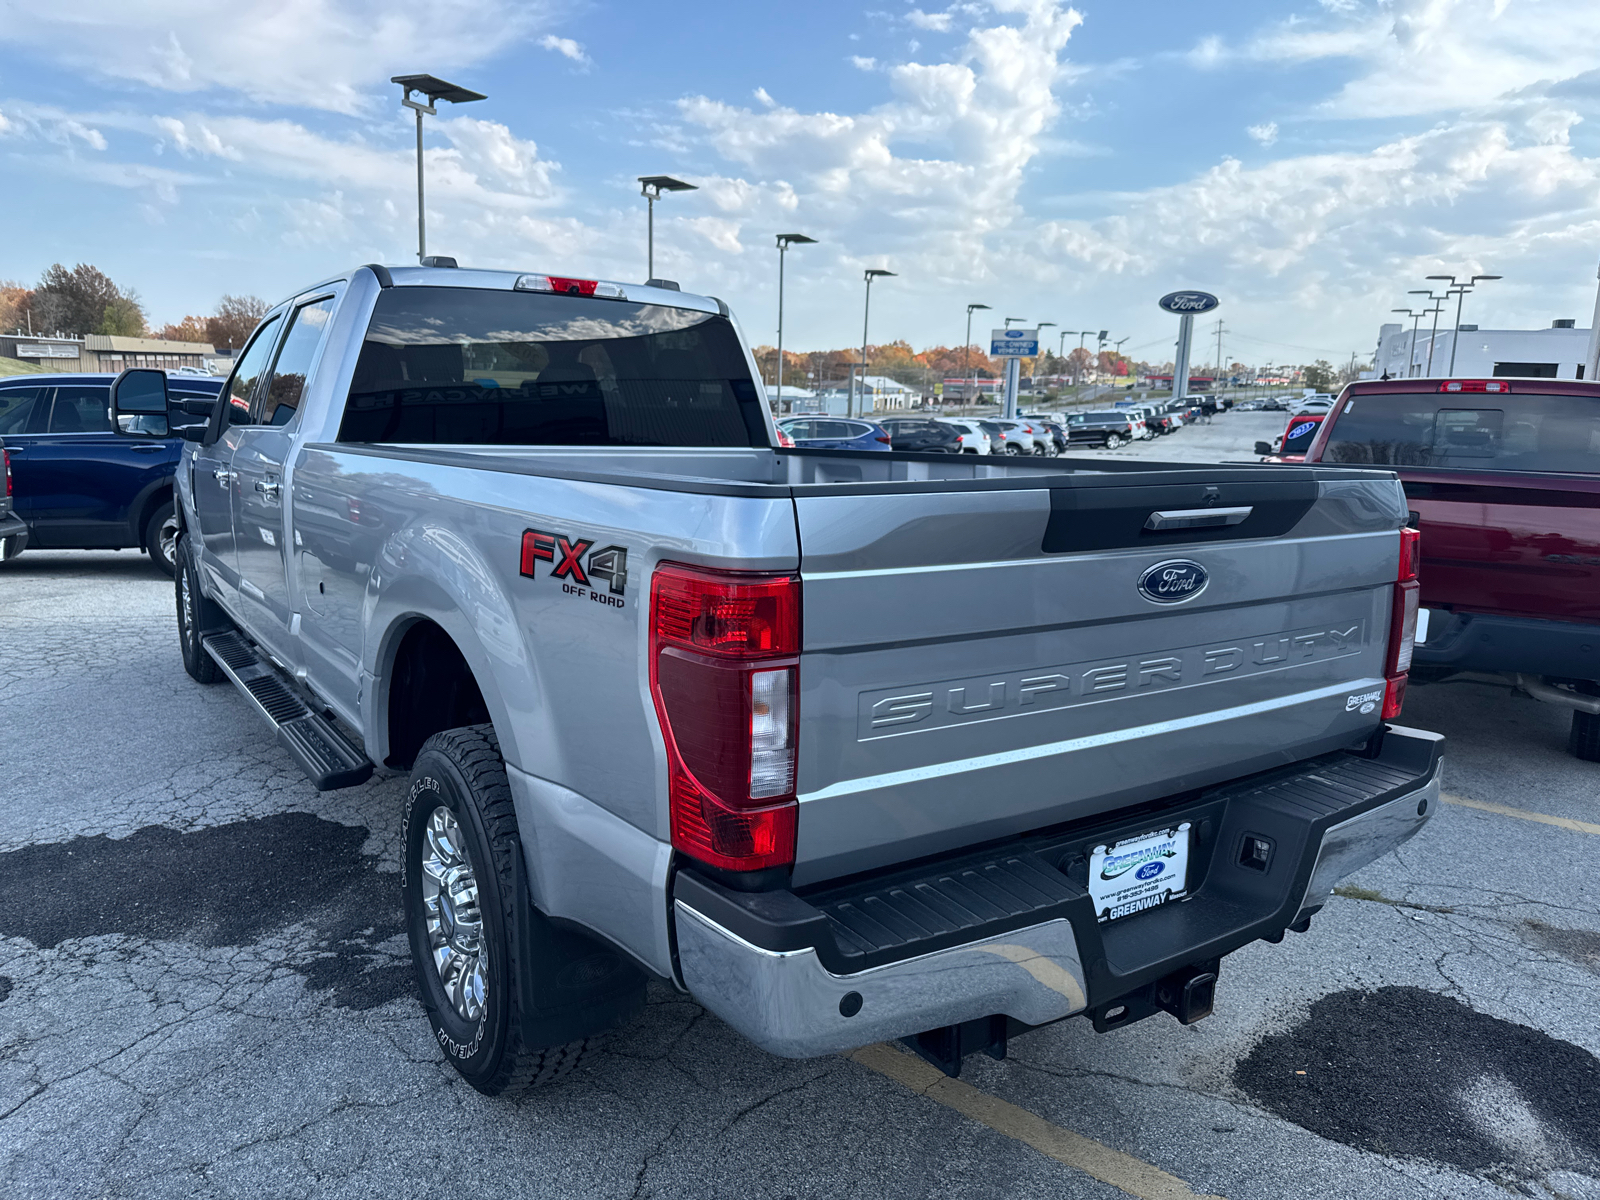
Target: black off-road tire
461,769
1584,740
197,616
161,538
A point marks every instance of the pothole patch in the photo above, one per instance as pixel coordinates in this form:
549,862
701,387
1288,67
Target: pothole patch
1409,1073
224,885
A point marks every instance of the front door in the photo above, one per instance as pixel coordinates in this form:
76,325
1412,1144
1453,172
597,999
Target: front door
261,536
84,478
214,482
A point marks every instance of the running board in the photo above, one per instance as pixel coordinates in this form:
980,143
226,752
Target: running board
328,758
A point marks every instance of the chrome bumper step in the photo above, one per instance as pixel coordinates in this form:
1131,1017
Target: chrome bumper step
328,758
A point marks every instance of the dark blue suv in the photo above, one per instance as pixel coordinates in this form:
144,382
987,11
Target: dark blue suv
76,484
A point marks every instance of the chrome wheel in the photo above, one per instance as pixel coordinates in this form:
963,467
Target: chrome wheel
167,539
455,922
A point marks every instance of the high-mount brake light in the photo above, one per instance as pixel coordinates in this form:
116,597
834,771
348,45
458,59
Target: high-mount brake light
1402,623
724,674
561,285
1475,385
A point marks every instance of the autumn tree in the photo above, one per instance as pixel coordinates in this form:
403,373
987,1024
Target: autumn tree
15,303
190,329
236,317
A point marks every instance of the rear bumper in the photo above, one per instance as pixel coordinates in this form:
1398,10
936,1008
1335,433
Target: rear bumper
1012,931
1482,642
13,536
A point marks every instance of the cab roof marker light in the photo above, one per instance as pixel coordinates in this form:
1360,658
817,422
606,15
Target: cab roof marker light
1475,385
565,285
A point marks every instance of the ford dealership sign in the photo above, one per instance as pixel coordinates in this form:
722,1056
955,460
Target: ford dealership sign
1187,304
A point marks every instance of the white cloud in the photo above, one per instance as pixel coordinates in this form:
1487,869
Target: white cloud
326,54
863,64
33,122
565,47
933,22
1265,133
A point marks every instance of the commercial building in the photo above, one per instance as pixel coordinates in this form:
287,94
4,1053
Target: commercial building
103,352
1555,353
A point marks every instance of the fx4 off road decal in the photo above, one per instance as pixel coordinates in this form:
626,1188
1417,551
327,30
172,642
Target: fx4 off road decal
567,556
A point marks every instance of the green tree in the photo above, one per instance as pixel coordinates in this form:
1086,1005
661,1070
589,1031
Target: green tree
1320,375
124,317
73,302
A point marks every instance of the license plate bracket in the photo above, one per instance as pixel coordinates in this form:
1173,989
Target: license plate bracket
1141,872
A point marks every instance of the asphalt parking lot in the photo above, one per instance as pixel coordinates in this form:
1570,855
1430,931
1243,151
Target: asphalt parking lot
205,991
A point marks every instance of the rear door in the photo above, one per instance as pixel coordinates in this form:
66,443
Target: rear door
980,663
24,412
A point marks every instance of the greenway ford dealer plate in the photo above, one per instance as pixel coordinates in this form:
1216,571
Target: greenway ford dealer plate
1139,872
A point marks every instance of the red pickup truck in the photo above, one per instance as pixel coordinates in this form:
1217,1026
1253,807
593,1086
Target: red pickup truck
1504,477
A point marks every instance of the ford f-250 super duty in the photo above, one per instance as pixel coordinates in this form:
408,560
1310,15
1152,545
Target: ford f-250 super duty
847,746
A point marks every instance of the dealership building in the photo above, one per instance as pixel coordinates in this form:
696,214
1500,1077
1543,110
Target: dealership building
1555,353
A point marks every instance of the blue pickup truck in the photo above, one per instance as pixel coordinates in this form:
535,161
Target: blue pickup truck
77,485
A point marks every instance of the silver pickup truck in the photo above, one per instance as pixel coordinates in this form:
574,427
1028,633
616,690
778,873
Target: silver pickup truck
847,746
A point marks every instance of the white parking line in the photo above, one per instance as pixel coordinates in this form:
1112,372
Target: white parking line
1122,1171
1522,814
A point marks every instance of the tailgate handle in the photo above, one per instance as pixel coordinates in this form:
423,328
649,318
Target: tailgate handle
1196,518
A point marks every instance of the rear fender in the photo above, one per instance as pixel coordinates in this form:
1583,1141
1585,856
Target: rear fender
428,574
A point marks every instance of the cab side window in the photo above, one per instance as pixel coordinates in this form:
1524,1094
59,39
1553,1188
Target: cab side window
277,403
247,374
81,410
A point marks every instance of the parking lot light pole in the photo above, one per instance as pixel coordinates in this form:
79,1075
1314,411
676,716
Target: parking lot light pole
1411,357
1039,356
785,240
651,187
966,352
435,90
1433,336
1459,290
869,274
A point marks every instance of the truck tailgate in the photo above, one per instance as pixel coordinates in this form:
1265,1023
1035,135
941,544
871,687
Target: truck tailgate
978,663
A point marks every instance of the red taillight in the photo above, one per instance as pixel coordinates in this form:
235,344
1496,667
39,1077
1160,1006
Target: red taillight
1402,623
785,440
884,440
1475,385
7,455
724,673
1410,554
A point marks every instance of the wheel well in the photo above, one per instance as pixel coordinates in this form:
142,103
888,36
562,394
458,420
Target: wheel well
163,494
431,689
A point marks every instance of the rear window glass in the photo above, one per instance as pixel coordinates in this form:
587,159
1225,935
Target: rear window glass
1107,416
475,366
16,405
1501,432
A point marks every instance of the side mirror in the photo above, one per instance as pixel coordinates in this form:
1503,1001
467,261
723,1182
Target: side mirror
139,403
1264,449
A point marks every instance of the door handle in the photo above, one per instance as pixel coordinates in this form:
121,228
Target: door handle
1197,518
268,488
223,475
149,447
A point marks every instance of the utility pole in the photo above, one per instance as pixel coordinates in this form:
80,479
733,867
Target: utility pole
1219,349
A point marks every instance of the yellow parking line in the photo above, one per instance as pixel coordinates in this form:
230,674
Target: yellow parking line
1522,814
1122,1171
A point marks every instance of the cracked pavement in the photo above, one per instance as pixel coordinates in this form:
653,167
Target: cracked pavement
204,990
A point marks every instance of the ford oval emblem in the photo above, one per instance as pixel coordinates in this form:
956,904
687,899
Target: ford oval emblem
1188,303
1150,870
1173,582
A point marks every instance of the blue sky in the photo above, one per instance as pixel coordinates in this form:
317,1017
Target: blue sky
1307,160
